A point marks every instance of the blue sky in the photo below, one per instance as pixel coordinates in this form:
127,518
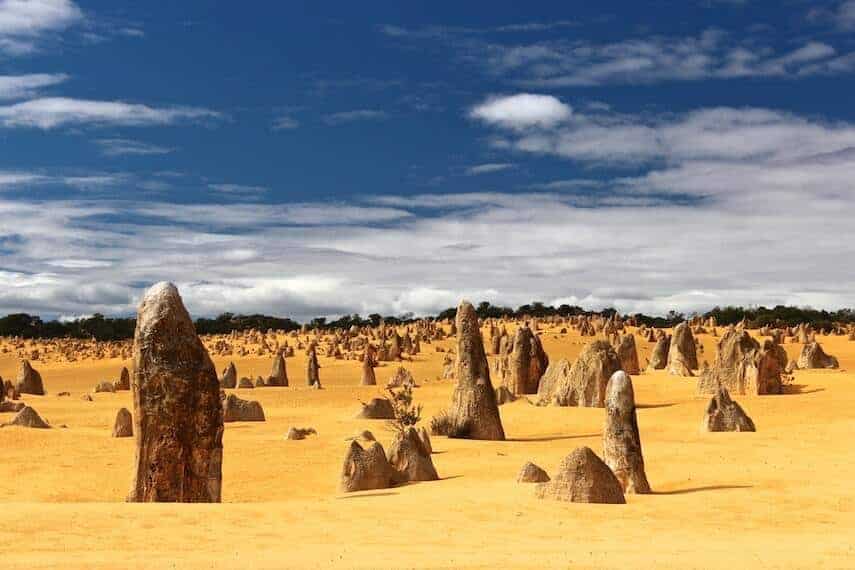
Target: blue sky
302,159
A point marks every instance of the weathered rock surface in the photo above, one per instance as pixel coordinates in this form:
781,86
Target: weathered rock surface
473,413
365,469
278,372
583,477
723,414
659,356
682,354
28,417
743,366
377,409
628,354
584,383
238,410
812,356
296,434
124,424
531,473
410,459
29,381
178,416
621,439
229,379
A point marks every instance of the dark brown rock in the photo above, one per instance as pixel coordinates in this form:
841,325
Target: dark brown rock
377,409
229,379
29,418
812,356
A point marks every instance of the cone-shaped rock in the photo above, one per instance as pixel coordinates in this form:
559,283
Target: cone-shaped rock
278,372
583,477
28,417
526,363
584,383
410,459
723,414
229,379
659,356
621,440
124,381
312,368
531,473
124,424
682,355
178,417
368,364
628,354
473,413
365,469
812,356
29,380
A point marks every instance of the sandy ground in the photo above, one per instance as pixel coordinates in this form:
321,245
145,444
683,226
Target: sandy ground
781,497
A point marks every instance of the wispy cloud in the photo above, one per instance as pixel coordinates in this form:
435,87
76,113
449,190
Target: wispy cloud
355,115
129,147
488,168
25,86
54,112
712,54
285,123
238,189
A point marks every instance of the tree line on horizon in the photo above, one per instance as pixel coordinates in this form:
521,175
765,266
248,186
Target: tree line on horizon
103,328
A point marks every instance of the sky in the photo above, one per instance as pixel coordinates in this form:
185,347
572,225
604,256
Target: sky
316,159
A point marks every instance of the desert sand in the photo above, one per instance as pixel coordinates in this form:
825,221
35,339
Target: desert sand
780,497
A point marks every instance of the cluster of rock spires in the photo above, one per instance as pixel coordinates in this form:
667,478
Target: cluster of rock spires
180,406
367,466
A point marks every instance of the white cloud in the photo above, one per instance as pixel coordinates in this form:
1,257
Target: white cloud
488,168
53,112
649,59
23,22
24,86
522,111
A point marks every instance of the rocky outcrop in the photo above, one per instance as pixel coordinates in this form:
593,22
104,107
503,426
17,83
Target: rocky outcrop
29,381
743,366
582,477
628,354
584,383
377,409
365,469
278,372
473,413
238,410
178,417
682,354
29,418
621,440
229,379
812,356
410,459
723,414
659,356
124,424
531,473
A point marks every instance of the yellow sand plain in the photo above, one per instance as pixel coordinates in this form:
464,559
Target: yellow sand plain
779,498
